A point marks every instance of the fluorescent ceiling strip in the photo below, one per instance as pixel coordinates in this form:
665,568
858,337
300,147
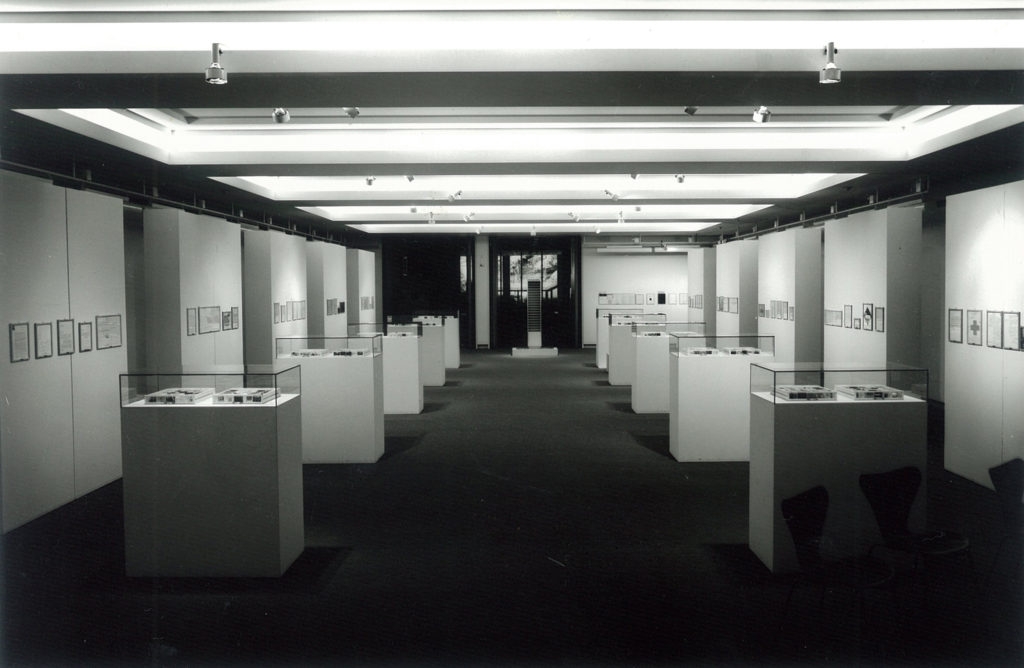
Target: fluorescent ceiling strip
588,213
525,228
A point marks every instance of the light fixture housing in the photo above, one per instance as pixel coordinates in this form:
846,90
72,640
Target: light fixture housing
281,115
370,180
689,111
830,74
215,73
762,114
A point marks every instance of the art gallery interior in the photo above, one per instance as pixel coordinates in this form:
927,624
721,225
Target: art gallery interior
511,333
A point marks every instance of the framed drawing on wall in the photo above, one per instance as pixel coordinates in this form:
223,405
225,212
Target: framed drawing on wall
856,323
65,337
225,320
879,318
108,331
867,315
18,341
234,317
848,315
209,319
995,329
973,328
277,313
84,337
1011,330
191,321
956,325
792,313
44,339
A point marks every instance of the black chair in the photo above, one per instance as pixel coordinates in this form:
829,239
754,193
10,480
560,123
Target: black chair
891,495
805,516
1008,481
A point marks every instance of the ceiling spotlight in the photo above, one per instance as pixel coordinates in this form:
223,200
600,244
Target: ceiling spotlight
410,178
431,219
533,231
762,114
633,175
689,111
370,180
615,198
830,74
597,230
281,115
468,217
478,229
680,178
215,73
412,209
454,196
621,219
351,112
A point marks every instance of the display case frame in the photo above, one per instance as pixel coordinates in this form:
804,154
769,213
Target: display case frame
749,345
139,388
895,382
294,347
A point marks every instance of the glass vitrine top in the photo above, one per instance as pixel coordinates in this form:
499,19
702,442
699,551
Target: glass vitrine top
364,345
739,344
213,386
813,381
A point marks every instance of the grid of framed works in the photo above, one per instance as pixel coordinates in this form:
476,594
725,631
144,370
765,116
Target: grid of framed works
27,341
993,329
209,319
291,310
870,317
777,309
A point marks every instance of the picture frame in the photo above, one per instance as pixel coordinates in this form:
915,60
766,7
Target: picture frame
209,319
974,327
955,325
867,316
848,315
234,317
994,335
191,321
760,310
17,333
856,323
792,313
43,334
1011,330
108,331
225,320
85,336
879,318
277,313
734,305
65,337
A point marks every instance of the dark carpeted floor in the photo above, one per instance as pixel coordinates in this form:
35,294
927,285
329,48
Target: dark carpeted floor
526,517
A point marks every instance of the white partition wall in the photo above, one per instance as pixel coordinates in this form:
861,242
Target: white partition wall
274,281
61,258
736,279
984,383
362,287
194,263
789,286
326,289
701,269
872,260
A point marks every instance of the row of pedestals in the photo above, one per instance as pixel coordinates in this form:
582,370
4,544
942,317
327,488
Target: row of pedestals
212,459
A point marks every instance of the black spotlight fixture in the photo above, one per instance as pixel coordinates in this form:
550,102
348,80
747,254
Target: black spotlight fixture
281,115
215,73
830,74
689,111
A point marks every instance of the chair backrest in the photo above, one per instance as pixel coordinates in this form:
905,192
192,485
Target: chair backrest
805,516
891,495
1008,480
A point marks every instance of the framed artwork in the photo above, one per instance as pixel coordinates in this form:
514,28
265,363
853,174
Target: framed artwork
856,323
638,298
995,329
973,328
44,339
848,315
18,341
209,319
341,307
792,313
225,320
700,301
234,317
867,316
833,317
108,331
84,337
671,297
734,305
191,321
277,313
65,337
955,322
1011,330
879,318
760,310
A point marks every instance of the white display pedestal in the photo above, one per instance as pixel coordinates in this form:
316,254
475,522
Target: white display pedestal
452,345
343,409
621,355
432,368
650,391
212,490
709,407
403,388
796,445
603,324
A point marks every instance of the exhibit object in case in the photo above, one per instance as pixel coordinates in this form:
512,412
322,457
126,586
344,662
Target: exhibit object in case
246,395
796,444
804,393
403,384
212,489
709,407
343,403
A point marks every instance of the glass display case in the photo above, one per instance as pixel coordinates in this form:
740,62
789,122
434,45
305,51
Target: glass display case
837,382
386,328
668,328
684,343
617,319
233,385
364,345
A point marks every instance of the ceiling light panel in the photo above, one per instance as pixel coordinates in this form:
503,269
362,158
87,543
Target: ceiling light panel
533,212
474,227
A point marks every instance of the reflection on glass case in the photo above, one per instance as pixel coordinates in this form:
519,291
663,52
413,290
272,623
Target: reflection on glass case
364,345
667,328
835,382
386,328
684,343
254,384
628,319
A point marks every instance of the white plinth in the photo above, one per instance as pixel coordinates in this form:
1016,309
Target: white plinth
343,409
650,391
432,369
535,352
452,344
621,355
796,445
212,491
709,407
403,388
